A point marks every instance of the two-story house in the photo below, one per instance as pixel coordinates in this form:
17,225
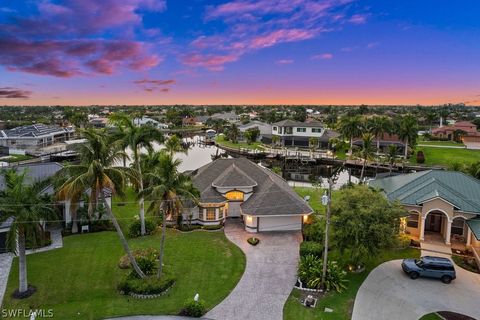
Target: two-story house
297,134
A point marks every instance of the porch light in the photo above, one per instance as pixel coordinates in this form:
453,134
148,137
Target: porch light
249,219
305,218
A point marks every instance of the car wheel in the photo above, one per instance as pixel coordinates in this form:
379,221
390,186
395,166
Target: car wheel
446,279
413,275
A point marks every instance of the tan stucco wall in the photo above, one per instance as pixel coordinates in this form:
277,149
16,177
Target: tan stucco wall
438,204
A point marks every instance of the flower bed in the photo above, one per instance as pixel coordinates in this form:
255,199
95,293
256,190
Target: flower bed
253,241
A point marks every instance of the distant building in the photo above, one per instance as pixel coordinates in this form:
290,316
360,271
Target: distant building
265,128
35,136
383,142
189,121
98,122
464,131
297,134
149,121
227,116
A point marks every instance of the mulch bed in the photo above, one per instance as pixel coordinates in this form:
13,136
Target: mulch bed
447,315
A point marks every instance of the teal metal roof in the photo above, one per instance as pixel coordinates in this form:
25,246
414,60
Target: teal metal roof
474,225
461,190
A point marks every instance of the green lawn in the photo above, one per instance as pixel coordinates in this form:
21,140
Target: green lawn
221,141
315,197
126,209
341,303
16,158
442,143
446,156
79,280
431,316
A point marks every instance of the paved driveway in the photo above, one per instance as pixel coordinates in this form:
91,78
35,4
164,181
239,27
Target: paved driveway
388,293
269,276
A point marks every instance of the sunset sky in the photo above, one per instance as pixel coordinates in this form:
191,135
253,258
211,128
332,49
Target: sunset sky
83,52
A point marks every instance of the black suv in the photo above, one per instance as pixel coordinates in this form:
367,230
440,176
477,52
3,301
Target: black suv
432,267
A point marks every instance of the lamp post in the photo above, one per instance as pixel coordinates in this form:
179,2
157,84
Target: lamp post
326,201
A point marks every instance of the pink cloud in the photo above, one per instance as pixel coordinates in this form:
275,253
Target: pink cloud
358,19
279,36
323,56
14,93
284,61
36,44
208,61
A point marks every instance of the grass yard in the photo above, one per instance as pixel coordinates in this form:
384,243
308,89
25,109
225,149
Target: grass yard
341,303
126,209
254,146
16,158
315,197
79,280
446,156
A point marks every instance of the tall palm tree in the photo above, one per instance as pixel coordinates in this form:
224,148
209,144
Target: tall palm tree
408,131
366,152
351,127
96,173
391,156
378,126
174,145
167,190
275,140
24,202
136,138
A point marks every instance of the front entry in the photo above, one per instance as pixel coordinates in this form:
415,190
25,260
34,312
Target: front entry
433,223
234,209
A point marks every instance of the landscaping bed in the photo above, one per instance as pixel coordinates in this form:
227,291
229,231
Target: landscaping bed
466,262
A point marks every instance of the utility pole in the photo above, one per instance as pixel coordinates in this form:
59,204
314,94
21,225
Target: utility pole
326,201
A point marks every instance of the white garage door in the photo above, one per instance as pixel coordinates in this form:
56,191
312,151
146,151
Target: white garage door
280,223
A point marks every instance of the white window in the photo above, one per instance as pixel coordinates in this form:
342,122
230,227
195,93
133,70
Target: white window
318,130
301,129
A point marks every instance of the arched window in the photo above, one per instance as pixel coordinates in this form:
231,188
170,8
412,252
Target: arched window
234,196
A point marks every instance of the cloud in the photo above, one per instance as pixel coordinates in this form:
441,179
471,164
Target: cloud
372,45
252,25
13,93
323,56
151,85
358,19
67,38
284,61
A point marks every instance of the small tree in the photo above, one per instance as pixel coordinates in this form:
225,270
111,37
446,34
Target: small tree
420,157
252,135
364,222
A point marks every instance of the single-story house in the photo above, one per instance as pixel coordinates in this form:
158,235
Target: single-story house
462,130
264,128
149,121
446,203
239,188
384,141
35,136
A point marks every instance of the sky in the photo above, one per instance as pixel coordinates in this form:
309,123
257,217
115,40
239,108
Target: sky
138,52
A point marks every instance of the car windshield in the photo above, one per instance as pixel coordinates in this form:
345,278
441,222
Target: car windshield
419,262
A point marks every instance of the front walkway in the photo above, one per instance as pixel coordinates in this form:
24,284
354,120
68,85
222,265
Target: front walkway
268,279
388,293
7,258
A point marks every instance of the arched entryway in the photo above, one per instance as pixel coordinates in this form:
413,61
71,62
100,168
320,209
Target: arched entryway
437,227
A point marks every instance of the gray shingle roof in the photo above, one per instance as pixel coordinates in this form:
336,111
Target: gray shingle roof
271,196
234,177
416,188
35,172
34,130
293,123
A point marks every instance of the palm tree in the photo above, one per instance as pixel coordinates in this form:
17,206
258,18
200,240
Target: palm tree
174,144
136,137
167,189
408,131
350,127
275,140
391,156
378,126
313,144
25,203
96,173
233,133
366,152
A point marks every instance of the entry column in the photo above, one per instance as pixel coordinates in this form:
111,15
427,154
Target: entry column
422,227
449,231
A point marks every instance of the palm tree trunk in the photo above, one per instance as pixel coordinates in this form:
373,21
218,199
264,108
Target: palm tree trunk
141,202
74,221
363,170
123,241
22,263
162,245
351,145
378,145
406,148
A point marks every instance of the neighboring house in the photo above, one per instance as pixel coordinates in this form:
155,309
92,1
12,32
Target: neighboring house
464,129
35,136
446,203
189,121
386,140
227,116
149,121
98,122
239,188
297,134
37,172
265,129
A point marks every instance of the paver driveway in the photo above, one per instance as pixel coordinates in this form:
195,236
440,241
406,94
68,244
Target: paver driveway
388,293
269,276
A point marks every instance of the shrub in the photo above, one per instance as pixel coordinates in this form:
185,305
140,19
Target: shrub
39,241
134,228
311,248
420,157
139,254
403,241
149,285
193,309
253,241
186,227
101,225
310,273
213,227
314,231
